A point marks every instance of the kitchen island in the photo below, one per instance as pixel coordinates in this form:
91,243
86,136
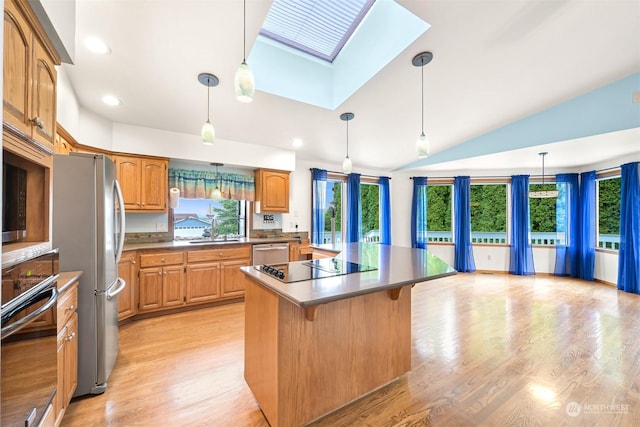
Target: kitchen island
315,345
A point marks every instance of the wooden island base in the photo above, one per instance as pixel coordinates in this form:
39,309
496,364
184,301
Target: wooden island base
300,369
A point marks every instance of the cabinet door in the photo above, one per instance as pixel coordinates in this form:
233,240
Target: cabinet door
128,271
294,251
273,190
150,288
173,286
43,107
17,68
203,282
153,192
60,404
71,359
233,280
128,172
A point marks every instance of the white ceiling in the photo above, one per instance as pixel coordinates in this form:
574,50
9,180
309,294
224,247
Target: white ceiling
495,62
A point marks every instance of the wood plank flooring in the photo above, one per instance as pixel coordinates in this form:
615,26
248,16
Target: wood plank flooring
487,350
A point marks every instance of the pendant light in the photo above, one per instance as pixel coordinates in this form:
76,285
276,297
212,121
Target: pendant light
217,194
346,163
208,133
422,144
244,82
544,194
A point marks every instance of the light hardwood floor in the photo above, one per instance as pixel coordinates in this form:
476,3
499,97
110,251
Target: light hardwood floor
488,350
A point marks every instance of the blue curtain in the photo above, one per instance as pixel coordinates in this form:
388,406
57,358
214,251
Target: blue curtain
385,211
567,223
354,209
319,197
629,253
521,259
587,251
463,248
419,213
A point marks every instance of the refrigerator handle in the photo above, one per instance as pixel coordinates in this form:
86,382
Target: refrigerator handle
119,289
122,221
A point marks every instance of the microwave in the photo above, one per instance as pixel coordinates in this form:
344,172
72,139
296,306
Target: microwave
14,203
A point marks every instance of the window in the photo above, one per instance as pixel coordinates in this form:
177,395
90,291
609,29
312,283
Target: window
335,209
608,212
370,200
542,216
193,219
489,213
439,198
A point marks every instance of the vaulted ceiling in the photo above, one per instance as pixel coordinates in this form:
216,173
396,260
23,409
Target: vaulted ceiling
495,63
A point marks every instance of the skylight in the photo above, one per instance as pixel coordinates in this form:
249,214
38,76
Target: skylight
319,28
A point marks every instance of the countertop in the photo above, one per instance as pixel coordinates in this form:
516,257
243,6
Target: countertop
182,244
66,278
396,267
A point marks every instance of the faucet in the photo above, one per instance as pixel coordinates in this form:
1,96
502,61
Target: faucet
214,228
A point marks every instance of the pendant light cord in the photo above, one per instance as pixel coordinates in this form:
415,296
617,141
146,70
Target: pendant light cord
244,31
422,96
208,91
347,138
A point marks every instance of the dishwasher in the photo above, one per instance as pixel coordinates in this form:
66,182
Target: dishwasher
270,253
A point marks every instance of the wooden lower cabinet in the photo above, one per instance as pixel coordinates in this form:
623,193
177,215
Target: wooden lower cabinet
233,280
183,277
128,271
203,282
161,287
67,365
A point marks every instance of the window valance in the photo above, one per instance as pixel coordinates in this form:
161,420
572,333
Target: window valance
194,184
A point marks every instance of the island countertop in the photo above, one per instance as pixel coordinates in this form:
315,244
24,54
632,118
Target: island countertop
395,267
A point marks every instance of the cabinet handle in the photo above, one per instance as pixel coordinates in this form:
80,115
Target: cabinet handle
70,336
71,308
37,121
138,203
143,204
160,273
162,259
133,262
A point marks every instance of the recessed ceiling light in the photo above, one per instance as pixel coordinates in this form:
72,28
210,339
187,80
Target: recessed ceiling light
96,45
111,100
297,143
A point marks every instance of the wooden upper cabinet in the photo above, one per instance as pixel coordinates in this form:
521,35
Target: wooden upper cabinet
29,81
143,182
154,184
272,190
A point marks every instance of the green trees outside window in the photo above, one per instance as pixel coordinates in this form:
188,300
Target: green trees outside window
489,213
439,198
609,213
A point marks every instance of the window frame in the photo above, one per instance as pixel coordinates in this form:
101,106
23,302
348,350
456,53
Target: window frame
496,181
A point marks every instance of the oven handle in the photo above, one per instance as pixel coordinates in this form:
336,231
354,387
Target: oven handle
15,327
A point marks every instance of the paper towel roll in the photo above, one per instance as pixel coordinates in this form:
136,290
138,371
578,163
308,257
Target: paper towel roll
174,198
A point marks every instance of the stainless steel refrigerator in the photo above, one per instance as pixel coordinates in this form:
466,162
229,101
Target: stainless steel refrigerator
88,228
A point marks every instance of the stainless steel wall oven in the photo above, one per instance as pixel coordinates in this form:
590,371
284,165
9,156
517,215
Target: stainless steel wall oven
29,370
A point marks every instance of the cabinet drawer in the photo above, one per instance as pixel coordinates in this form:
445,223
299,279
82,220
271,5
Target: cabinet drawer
205,255
67,305
161,258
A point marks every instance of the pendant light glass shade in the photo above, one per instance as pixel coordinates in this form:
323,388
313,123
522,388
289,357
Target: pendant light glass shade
346,165
422,146
208,133
245,84
217,194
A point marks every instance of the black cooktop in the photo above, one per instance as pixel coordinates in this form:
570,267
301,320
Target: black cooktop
313,269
